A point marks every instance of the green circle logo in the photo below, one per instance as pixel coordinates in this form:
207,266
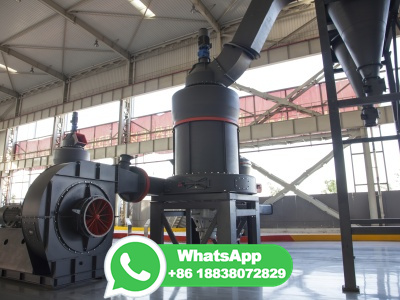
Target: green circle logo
135,266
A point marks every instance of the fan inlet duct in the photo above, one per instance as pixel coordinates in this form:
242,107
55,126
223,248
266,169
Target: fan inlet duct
94,217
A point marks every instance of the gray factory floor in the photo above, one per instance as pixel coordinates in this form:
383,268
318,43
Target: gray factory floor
317,274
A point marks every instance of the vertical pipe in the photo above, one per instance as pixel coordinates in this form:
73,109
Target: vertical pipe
344,211
373,208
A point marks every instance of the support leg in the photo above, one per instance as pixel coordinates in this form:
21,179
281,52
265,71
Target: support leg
226,222
344,211
188,226
253,224
156,224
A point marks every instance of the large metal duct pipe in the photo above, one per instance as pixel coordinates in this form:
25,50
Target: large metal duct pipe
362,25
349,67
369,113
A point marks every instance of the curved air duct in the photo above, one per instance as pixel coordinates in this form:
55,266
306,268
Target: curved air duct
362,26
246,45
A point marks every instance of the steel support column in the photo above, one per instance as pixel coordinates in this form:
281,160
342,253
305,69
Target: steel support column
393,85
373,208
124,130
58,132
66,89
7,158
343,201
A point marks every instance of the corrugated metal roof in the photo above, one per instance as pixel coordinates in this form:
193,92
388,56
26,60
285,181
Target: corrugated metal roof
3,96
16,16
38,32
118,29
106,6
49,57
26,81
68,3
236,11
5,81
75,61
166,30
16,64
175,9
48,34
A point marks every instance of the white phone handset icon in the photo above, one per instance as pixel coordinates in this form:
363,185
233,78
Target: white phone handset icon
125,260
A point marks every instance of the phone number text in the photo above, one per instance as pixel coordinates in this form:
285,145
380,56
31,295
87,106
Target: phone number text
228,273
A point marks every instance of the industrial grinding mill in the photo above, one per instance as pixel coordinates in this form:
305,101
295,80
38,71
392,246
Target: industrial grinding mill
208,186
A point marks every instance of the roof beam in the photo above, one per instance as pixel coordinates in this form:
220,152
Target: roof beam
228,9
27,30
70,17
40,23
33,63
206,14
8,91
138,26
60,48
132,16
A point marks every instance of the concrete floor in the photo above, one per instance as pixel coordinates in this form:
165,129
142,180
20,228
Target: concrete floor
317,274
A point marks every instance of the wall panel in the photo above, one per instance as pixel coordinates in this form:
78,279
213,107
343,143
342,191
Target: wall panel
98,83
42,100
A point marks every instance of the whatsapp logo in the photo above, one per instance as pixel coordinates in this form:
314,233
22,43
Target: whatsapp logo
135,266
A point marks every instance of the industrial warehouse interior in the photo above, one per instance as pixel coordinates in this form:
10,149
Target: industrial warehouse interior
230,122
